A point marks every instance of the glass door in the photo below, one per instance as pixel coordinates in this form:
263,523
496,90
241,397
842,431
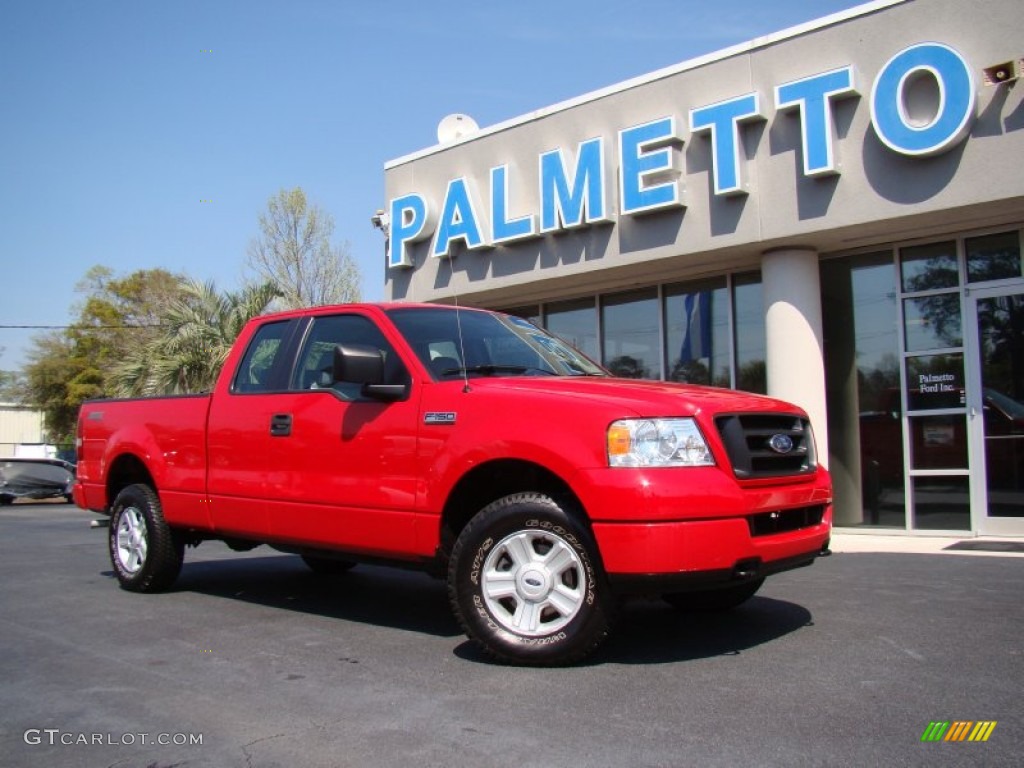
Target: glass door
996,409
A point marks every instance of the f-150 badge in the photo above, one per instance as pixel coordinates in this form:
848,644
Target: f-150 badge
439,417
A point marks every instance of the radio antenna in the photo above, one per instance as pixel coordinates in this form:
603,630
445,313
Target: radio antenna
458,324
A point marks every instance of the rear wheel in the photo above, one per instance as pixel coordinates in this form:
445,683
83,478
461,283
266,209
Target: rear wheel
714,600
526,585
144,551
6,500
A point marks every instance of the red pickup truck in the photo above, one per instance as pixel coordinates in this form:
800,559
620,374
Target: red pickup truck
470,444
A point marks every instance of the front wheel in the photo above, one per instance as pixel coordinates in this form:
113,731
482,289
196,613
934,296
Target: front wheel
526,585
143,549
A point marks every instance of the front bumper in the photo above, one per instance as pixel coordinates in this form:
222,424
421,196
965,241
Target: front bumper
674,529
703,554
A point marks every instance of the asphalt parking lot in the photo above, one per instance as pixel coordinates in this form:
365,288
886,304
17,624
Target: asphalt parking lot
845,663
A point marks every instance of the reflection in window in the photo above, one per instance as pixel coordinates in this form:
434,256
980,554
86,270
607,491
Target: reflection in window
935,381
316,361
697,332
254,371
942,503
862,349
938,442
993,257
932,322
1001,346
531,313
575,322
751,373
929,267
632,347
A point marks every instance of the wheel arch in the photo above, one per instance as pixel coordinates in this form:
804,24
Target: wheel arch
127,469
494,480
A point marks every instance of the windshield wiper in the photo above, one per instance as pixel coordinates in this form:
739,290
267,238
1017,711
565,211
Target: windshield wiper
490,370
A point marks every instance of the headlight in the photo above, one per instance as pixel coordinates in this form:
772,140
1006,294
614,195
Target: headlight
657,443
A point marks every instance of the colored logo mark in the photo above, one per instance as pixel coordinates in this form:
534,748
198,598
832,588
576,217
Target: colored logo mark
958,730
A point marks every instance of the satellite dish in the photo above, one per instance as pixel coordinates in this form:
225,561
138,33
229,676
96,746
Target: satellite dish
454,127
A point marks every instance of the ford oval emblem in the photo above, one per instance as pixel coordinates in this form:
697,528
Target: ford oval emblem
780,443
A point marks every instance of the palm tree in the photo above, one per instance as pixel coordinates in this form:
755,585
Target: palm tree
196,334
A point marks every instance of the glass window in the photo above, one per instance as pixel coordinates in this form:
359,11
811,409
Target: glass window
254,372
1001,352
316,362
452,343
993,257
938,442
876,338
575,322
935,381
531,313
751,374
877,350
632,344
942,503
697,332
928,267
932,322
862,369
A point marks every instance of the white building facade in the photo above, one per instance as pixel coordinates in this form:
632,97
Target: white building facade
831,215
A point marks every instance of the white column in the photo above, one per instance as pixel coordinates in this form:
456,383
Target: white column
795,358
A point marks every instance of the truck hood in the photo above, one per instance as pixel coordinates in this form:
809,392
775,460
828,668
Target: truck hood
642,397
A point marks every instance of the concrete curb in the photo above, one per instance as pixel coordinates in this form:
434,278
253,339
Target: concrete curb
848,542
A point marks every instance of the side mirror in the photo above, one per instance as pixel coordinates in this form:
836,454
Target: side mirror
358,364
362,364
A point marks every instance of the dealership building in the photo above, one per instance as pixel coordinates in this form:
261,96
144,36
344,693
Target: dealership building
831,215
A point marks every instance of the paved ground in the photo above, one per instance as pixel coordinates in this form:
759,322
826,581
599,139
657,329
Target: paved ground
844,663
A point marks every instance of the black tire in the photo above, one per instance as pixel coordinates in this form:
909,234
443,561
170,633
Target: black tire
327,566
6,500
144,551
546,600
714,600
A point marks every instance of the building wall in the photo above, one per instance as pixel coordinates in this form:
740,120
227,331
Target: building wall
18,425
810,247
877,194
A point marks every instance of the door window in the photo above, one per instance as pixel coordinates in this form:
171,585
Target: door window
316,361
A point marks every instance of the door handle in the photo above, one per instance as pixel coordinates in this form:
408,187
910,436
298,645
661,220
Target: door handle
281,425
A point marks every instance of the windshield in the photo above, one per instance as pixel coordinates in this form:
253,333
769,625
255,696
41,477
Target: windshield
488,345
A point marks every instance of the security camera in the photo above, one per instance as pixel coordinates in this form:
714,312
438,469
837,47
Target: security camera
1006,72
381,220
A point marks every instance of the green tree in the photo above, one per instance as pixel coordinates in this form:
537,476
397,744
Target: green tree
11,385
196,334
116,316
293,251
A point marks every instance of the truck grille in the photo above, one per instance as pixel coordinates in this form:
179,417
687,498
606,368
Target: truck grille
767,444
784,520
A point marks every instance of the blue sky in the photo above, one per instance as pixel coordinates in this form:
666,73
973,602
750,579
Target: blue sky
120,117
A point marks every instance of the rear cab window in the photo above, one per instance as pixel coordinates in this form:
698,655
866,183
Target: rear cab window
259,369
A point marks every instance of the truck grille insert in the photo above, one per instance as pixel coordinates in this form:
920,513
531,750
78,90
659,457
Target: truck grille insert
784,520
767,445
